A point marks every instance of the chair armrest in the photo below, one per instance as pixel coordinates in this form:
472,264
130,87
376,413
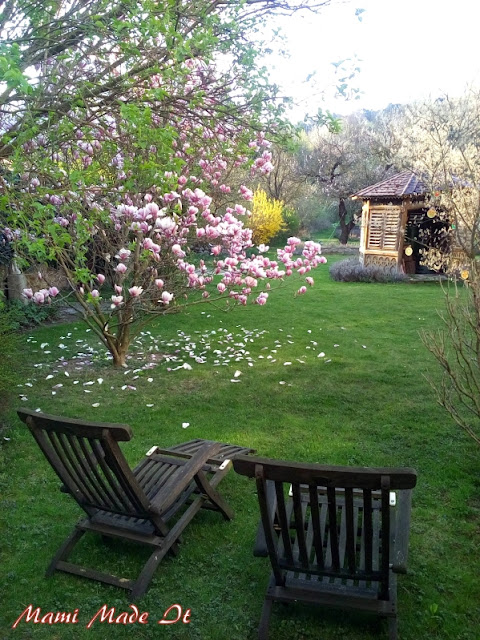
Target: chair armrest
402,531
182,477
260,547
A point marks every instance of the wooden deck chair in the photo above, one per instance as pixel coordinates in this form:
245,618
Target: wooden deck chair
337,540
150,504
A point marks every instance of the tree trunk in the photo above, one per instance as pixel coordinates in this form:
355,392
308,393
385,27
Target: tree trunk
123,338
345,227
120,358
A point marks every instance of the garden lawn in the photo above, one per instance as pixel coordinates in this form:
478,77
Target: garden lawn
254,377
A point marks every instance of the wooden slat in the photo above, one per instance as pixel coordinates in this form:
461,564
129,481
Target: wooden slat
316,526
284,524
356,544
157,476
68,567
385,535
376,527
332,528
362,568
60,443
108,496
368,529
84,470
342,540
298,513
351,530
402,531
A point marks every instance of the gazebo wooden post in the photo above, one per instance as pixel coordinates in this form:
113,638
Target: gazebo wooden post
364,230
401,235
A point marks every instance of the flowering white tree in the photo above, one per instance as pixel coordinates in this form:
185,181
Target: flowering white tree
120,186
441,140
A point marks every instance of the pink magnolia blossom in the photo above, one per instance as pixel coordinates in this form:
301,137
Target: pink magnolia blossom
302,290
171,197
38,297
167,297
27,293
246,192
53,291
309,281
221,287
135,292
152,210
100,278
118,289
166,224
159,283
177,251
117,301
95,293
123,255
121,268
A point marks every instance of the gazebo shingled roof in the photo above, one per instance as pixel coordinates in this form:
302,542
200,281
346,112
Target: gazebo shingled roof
400,185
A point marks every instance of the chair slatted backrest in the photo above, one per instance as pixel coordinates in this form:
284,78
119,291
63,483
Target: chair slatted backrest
336,523
87,459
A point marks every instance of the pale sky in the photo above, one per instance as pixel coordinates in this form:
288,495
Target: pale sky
406,50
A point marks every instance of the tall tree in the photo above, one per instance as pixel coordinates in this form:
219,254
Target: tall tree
342,162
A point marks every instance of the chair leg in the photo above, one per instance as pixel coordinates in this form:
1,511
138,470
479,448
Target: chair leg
392,628
65,550
216,500
146,574
265,619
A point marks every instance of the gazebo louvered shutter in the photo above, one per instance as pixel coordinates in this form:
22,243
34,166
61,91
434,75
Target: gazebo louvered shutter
383,228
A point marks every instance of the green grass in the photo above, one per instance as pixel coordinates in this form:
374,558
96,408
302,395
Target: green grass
330,237
366,402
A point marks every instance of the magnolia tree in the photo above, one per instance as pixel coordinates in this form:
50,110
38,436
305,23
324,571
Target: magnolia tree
122,124
123,205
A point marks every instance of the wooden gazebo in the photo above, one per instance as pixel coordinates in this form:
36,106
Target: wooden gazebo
397,223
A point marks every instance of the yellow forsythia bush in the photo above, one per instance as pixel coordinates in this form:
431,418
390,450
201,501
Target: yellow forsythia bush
266,219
